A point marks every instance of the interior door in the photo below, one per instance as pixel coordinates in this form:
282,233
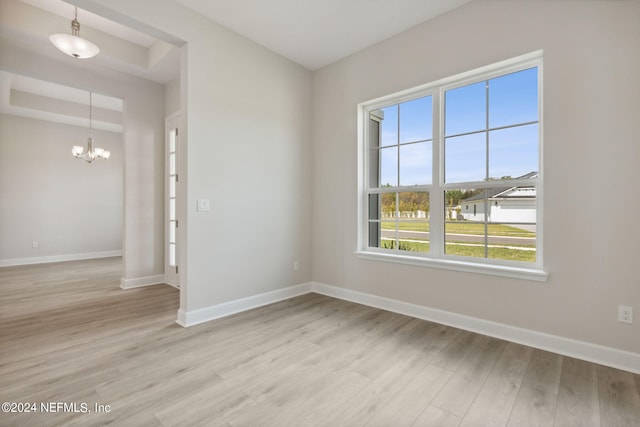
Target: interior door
171,197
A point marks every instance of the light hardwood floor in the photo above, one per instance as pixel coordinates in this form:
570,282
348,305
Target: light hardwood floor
69,334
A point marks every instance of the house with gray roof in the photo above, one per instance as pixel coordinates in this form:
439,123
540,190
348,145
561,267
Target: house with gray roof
505,204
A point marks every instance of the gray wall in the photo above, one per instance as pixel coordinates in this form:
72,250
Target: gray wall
245,145
591,151
143,149
66,205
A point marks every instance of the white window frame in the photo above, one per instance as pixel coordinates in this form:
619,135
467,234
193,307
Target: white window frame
436,256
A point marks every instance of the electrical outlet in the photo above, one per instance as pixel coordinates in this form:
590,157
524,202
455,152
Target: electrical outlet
35,244
296,266
625,314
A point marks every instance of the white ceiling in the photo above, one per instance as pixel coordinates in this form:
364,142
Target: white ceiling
315,33
25,26
66,11
29,23
38,99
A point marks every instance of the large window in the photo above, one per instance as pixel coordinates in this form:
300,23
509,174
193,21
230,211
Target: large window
452,172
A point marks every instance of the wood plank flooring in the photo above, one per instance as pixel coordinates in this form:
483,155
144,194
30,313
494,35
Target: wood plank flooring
69,334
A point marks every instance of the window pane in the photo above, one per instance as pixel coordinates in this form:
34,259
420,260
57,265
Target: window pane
388,228
389,167
471,204
453,200
413,204
476,223
385,231
408,228
466,109
374,168
374,206
172,186
512,242
513,98
172,209
172,255
172,140
413,236
172,164
415,164
374,234
374,128
172,231
388,235
375,212
464,213
389,126
382,206
415,120
464,239
465,158
513,152
513,205
388,205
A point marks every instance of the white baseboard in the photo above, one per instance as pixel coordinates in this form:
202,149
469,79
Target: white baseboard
171,283
138,282
58,258
195,317
595,353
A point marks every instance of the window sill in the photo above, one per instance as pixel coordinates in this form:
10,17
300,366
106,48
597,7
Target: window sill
469,267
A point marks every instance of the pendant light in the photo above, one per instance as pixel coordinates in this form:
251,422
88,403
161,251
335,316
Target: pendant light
91,153
74,45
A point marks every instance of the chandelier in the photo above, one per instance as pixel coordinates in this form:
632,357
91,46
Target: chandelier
91,153
74,45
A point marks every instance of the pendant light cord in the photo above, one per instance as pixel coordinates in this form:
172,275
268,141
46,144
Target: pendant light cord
90,117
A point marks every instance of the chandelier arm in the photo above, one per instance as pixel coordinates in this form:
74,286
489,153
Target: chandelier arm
91,153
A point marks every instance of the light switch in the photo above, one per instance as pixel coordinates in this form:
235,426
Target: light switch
203,205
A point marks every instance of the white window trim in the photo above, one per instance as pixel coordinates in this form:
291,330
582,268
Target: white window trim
436,258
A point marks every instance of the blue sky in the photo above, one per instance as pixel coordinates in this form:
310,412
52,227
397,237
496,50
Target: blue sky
512,151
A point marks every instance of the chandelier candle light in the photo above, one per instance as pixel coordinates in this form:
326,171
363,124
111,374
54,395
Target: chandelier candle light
74,45
91,153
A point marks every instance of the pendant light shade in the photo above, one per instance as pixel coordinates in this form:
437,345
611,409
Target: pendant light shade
74,45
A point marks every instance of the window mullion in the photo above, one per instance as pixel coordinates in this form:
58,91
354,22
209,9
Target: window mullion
486,193
397,219
396,215
486,132
398,147
436,224
486,224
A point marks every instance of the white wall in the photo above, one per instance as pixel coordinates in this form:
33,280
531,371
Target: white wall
172,97
247,122
71,208
591,151
245,146
505,211
143,149
513,211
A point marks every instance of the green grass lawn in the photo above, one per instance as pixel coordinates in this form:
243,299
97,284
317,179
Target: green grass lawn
461,227
503,252
475,251
493,252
